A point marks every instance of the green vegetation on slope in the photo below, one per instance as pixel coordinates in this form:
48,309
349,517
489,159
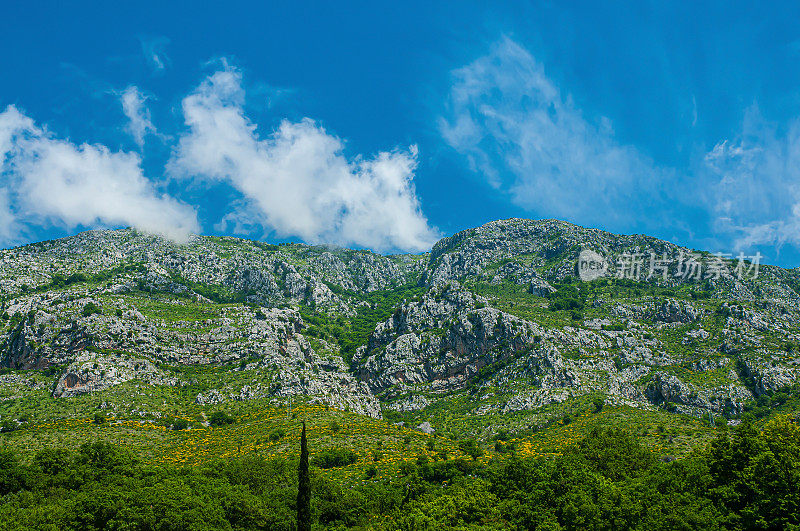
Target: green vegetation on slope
351,333
748,479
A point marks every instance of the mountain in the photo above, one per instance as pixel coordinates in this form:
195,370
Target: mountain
492,330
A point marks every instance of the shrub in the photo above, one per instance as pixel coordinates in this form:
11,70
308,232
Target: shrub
277,434
180,424
13,477
99,418
502,435
407,468
220,418
334,458
334,426
471,448
598,404
90,308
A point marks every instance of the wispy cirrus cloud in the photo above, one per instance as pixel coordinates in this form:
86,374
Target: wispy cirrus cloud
529,140
154,51
296,180
756,193
526,138
47,180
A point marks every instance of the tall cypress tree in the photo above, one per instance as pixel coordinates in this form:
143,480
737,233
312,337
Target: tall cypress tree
303,486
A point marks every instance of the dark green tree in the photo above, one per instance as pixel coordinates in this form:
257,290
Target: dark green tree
303,486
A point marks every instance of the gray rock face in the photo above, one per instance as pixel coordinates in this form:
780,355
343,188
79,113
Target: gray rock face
672,311
101,350
95,372
769,375
444,340
426,427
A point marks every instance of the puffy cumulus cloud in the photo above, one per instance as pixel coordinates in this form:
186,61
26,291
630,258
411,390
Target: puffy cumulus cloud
297,180
48,180
135,109
519,132
755,183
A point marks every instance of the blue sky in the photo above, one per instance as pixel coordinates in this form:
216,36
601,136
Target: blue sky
387,126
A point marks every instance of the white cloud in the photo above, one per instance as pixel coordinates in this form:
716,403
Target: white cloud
527,139
8,222
12,122
47,180
756,187
154,50
135,109
297,181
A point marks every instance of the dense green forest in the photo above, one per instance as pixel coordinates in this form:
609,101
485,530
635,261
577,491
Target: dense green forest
746,478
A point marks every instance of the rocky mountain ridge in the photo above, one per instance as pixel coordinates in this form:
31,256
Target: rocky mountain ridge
493,319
